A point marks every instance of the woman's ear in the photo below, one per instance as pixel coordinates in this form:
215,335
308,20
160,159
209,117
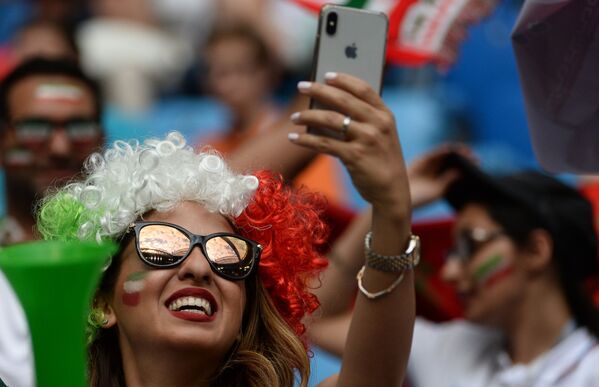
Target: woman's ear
105,310
538,251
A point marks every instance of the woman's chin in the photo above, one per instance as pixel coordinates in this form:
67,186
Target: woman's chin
476,314
199,341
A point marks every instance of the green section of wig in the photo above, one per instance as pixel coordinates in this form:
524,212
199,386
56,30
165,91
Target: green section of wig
61,216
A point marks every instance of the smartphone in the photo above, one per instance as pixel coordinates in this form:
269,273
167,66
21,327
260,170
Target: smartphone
349,40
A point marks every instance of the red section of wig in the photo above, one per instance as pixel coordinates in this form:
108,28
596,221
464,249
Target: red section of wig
287,223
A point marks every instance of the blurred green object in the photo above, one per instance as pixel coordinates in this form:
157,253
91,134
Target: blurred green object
55,282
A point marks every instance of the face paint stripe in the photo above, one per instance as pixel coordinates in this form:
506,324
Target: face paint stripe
18,157
488,266
63,92
139,275
492,271
131,299
133,286
498,276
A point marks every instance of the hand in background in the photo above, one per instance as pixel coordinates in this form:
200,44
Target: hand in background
428,179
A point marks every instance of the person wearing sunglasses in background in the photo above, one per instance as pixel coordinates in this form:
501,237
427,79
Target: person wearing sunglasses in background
49,123
525,252
211,283
50,116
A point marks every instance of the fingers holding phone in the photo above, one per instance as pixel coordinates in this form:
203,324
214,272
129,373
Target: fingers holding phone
370,149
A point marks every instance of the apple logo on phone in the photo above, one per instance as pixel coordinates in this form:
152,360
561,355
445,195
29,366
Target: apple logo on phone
351,51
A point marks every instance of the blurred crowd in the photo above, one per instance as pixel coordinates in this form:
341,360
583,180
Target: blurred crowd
166,65
141,50
225,70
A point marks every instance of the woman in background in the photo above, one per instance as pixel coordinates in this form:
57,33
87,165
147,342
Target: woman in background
525,251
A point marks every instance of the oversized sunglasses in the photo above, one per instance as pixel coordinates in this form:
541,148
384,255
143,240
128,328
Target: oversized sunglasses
164,245
470,241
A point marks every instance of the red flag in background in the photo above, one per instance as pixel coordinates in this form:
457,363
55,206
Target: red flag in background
417,28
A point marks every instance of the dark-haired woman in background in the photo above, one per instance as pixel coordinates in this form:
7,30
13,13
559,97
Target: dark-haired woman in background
525,248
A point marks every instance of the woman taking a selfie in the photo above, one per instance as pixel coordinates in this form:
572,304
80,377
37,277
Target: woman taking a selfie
210,285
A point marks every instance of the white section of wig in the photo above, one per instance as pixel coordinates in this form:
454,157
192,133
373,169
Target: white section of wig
130,179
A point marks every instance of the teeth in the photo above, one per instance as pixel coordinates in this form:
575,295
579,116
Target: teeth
203,305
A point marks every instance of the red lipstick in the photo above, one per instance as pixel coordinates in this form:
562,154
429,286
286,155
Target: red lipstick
188,315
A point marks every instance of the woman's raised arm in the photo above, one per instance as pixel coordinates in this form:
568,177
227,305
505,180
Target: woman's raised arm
380,334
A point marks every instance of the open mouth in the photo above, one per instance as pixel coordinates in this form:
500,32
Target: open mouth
195,304
191,304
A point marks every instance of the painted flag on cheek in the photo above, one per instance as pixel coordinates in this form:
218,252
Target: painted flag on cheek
417,28
492,270
132,288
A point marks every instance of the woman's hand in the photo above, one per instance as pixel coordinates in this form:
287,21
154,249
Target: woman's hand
370,151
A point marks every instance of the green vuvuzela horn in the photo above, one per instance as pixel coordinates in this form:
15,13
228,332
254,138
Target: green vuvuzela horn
54,282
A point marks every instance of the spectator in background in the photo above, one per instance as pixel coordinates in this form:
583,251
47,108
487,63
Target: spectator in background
50,113
525,249
64,12
242,73
138,49
49,123
46,39
38,38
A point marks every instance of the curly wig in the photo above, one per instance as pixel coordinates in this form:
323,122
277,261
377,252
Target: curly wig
130,178
288,226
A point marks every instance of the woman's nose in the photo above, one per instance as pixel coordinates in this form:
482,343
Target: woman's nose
59,143
452,270
195,267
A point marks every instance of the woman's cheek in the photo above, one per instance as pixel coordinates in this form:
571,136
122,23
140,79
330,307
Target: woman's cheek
491,270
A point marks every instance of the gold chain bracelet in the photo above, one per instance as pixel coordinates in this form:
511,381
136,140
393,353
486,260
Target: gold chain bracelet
374,296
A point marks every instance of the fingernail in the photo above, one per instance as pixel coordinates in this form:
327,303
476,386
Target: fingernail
292,136
330,76
295,116
303,85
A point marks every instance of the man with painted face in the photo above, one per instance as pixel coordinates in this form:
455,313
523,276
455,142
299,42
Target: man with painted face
49,123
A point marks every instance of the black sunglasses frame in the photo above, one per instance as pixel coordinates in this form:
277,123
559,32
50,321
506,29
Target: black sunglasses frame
69,125
468,243
200,240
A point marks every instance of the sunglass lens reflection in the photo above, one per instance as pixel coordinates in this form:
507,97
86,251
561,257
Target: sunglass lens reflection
162,245
226,250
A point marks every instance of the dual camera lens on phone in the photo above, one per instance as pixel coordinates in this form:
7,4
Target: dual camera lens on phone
331,21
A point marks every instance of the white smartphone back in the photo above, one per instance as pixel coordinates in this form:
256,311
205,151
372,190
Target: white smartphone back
356,47
352,41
